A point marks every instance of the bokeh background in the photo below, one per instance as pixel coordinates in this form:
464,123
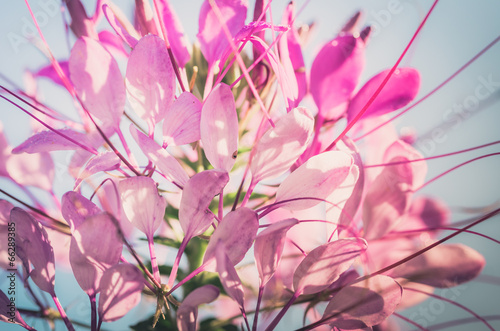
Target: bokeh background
455,32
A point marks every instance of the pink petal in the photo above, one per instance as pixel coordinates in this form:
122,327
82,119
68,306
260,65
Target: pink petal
281,146
50,73
400,90
144,18
97,80
443,266
399,148
106,161
291,56
219,128
193,214
142,204
335,72
317,178
168,165
113,43
121,288
8,311
237,231
48,141
33,247
269,247
81,25
228,275
75,208
364,304
182,122
121,25
5,151
176,36
96,245
212,39
425,213
388,199
32,170
150,79
324,265
5,208
187,313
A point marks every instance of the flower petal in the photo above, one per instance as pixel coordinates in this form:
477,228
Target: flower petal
176,36
121,288
443,266
95,246
317,178
106,161
97,80
150,79
193,214
32,170
182,122
228,275
237,231
142,204
187,313
269,247
219,128
33,247
335,73
48,141
364,304
400,90
75,208
324,265
211,36
281,146
121,25
168,165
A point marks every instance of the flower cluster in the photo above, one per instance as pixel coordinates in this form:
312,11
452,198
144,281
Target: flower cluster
266,200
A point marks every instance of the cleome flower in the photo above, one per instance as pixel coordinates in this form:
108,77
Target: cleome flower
263,186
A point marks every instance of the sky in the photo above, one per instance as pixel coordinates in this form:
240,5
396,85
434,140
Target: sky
449,120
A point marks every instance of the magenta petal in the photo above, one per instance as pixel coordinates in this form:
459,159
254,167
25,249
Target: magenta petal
96,245
48,141
142,204
113,43
182,122
281,146
364,304
401,149
317,178
150,79
168,165
211,36
335,72
33,247
219,128
228,275
6,314
106,161
236,231
75,208
269,247
5,208
127,32
425,213
193,214
121,288
32,170
176,36
443,266
388,199
50,73
97,80
324,265
187,313
400,90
